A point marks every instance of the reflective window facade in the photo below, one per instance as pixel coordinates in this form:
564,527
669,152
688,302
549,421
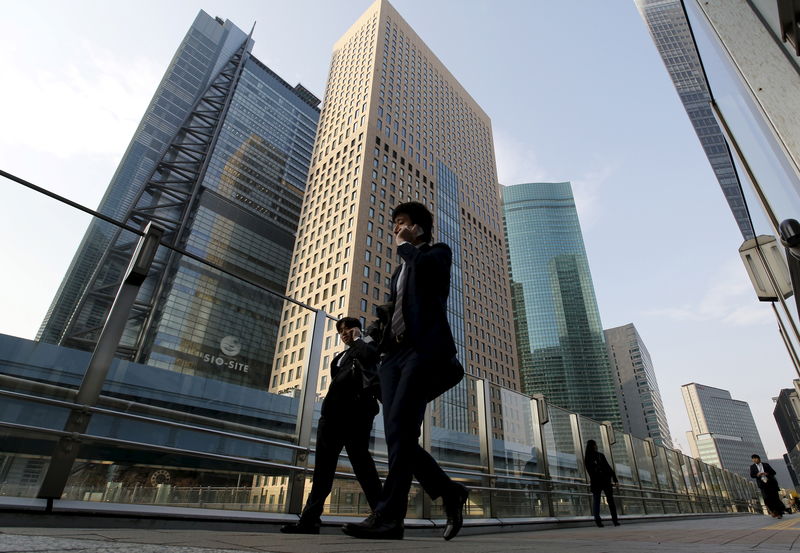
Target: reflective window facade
559,333
208,44
242,218
640,402
723,433
672,35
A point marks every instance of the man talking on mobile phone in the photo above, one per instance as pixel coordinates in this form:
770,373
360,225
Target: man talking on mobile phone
417,354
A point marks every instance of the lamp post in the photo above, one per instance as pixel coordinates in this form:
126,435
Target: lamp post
769,274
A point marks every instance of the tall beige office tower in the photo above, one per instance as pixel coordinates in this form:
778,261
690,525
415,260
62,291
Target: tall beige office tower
396,127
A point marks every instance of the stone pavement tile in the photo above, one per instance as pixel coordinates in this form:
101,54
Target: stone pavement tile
38,544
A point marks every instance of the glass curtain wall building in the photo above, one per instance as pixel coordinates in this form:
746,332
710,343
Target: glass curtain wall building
672,34
220,161
723,432
640,402
745,54
559,333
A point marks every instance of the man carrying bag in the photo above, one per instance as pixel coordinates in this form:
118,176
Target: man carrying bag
345,422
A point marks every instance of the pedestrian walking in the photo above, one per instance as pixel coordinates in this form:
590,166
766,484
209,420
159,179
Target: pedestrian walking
600,477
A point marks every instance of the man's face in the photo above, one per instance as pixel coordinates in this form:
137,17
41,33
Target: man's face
756,460
400,221
346,334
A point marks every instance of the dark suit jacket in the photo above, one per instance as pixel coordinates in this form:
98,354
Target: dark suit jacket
768,469
354,386
600,472
427,286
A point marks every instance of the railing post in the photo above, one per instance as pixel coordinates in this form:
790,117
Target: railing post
608,438
66,450
662,453
577,441
485,438
635,470
305,413
681,463
540,417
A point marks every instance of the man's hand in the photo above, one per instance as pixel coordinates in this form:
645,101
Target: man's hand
408,234
355,333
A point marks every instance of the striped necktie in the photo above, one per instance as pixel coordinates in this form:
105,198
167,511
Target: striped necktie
398,325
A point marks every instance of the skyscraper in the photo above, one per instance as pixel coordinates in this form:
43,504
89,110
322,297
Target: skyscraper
559,333
673,37
219,160
397,127
637,388
787,417
723,431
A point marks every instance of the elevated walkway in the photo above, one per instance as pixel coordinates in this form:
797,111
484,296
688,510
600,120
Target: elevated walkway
659,534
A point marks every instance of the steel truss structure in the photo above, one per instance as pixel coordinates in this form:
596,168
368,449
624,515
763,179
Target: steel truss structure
168,199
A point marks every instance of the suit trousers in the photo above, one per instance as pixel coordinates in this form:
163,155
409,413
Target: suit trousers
351,433
609,491
403,390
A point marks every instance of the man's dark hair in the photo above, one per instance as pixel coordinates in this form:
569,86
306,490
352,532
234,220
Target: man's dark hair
419,215
347,322
755,456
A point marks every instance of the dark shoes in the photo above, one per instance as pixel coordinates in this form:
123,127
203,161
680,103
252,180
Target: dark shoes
375,527
301,528
600,524
454,509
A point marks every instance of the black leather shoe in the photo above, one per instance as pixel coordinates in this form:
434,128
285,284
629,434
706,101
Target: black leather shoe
454,508
375,527
300,528
616,522
598,522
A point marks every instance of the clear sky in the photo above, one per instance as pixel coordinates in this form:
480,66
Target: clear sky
575,90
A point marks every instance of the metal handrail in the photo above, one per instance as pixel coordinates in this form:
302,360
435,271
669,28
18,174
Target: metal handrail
123,405
149,447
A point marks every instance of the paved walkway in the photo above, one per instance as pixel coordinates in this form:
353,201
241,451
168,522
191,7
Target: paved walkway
708,535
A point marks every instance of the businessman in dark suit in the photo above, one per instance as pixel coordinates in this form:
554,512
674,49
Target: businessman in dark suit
345,422
417,353
765,478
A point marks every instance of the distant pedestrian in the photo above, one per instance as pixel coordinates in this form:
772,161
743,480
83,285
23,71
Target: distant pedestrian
600,477
765,478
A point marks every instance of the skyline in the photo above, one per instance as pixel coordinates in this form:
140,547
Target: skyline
597,140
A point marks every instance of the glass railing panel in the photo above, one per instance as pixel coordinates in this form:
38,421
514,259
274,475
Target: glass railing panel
455,444
648,478
44,246
522,491
674,460
222,354
669,499
592,430
513,439
570,490
624,464
629,496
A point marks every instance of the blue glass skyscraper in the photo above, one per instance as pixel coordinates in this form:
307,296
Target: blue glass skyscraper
561,349
220,159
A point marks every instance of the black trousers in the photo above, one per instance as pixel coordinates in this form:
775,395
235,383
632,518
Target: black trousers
403,391
770,492
351,433
612,507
